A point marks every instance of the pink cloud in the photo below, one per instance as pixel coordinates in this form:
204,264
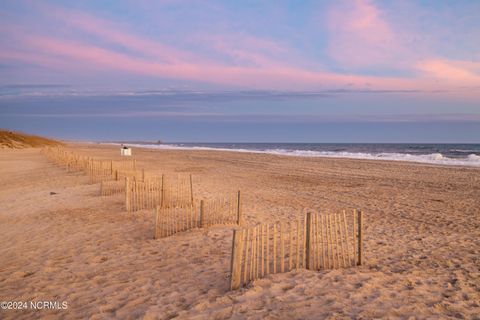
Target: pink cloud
361,35
451,71
257,63
242,49
277,77
114,34
239,49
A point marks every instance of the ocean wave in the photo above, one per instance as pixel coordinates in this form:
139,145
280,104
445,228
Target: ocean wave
465,150
433,158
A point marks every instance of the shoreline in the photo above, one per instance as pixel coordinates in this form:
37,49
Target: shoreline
308,154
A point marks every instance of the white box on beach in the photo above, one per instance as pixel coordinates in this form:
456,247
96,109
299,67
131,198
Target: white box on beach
125,151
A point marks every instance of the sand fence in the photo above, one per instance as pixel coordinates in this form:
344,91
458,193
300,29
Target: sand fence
100,170
318,241
167,190
203,214
122,176
112,187
97,170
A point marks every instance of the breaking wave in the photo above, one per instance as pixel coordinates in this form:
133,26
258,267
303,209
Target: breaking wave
433,158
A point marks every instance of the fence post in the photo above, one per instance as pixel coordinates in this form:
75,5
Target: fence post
116,175
157,209
202,214
111,167
236,262
239,209
135,194
90,170
360,238
143,174
162,193
191,190
354,231
127,194
307,240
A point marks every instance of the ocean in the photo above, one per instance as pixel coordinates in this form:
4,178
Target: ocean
443,154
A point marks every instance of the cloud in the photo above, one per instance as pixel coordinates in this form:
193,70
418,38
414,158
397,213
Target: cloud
247,50
451,71
33,86
88,58
360,36
173,95
92,47
241,48
363,38
255,63
216,117
112,33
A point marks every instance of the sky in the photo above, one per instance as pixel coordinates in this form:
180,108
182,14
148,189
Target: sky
242,71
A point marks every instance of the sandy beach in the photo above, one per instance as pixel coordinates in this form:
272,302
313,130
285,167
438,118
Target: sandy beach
422,240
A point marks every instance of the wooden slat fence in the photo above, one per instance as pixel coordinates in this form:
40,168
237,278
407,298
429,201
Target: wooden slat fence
226,210
317,241
203,214
163,191
100,170
97,170
116,186
112,187
132,174
170,221
177,191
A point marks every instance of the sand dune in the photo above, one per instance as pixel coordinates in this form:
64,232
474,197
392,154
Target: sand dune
422,242
18,140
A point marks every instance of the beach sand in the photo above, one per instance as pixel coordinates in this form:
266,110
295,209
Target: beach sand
422,240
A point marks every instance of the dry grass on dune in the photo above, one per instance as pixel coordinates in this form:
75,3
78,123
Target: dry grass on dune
18,140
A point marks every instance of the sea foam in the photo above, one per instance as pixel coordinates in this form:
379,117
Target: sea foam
472,160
